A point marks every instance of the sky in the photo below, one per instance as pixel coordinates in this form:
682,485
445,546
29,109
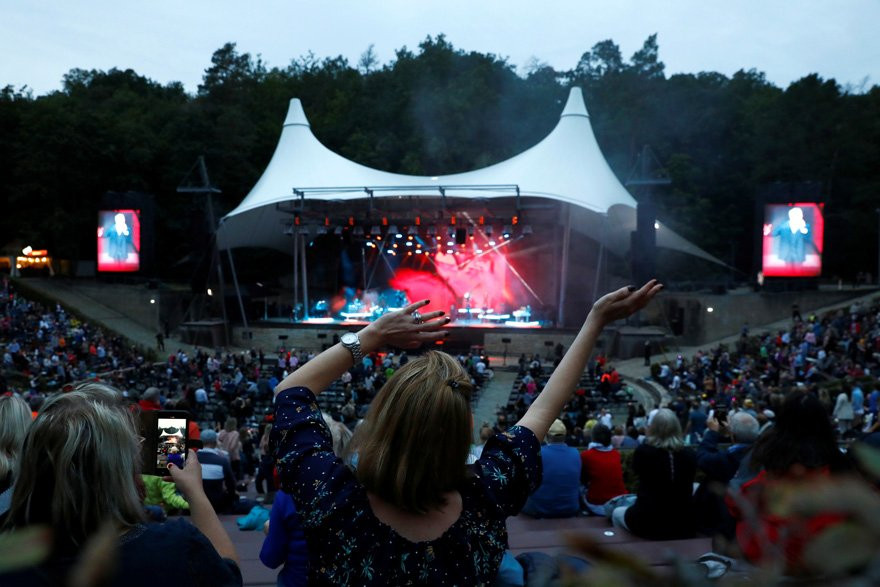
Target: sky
166,41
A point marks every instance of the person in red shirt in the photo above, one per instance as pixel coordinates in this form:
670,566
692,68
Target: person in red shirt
798,452
150,400
601,471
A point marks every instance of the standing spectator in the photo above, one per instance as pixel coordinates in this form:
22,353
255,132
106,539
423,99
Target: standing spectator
843,412
666,470
267,464
559,492
230,441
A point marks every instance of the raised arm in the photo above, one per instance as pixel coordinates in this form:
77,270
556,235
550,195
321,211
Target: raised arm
562,383
398,328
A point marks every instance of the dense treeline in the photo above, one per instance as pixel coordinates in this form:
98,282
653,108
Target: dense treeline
439,110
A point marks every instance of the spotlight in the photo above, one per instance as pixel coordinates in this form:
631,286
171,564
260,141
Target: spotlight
432,230
288,230
491,242
413,230
507,230
358,231
392,229
488,231
337,231
527,229
409,243
375,230
321,229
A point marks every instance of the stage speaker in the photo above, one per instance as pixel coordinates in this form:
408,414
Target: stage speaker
460,236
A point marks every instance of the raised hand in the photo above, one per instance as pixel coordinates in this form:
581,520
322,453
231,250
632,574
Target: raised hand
409,327
623,302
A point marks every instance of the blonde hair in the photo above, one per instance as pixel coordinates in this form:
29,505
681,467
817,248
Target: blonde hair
15,419
665,430
414,441
78,467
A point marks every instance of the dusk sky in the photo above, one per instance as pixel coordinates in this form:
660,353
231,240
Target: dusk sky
173,41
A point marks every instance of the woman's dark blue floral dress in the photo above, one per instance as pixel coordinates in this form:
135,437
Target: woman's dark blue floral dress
348,545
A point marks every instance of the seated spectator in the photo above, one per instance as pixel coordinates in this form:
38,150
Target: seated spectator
486,433
798,452
150,400
723,469
162,494
558,496
665,468
601,471
78,471
15,419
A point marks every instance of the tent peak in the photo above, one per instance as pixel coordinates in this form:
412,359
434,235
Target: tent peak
296,116
575,105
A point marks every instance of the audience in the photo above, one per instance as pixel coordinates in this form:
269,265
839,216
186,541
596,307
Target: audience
78,467
601,471
665,469
15,419
376,525
558,496
799,452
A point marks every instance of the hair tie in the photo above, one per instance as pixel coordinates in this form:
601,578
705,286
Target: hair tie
453,383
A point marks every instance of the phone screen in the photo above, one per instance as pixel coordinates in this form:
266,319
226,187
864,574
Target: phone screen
171,441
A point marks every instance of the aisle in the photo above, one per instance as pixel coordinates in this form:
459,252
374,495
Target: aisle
495,394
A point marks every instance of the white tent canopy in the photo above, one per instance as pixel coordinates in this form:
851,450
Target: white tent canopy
566,166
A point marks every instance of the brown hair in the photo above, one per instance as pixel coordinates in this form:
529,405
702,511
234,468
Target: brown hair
414,441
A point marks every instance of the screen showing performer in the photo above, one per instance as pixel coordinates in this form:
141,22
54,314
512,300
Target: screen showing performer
119,240
793,240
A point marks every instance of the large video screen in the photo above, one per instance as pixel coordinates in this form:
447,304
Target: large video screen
793,240
119,240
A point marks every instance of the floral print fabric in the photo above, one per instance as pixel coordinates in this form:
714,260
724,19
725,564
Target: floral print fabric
349,545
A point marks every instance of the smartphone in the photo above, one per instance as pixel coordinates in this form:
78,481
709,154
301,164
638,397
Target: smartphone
165,440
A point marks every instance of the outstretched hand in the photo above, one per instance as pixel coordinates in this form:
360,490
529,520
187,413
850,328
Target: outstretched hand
401,329
624,302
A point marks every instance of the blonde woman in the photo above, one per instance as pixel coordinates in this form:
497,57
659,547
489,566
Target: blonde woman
663,509
413,512
15,419
78,466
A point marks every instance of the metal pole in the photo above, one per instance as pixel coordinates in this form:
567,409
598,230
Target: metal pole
305,278
237,290
217,258
295,274
599,258
563,273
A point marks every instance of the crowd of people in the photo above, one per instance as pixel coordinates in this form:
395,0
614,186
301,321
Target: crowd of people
372,453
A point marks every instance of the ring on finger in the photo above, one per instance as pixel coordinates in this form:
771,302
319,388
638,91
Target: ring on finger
417,317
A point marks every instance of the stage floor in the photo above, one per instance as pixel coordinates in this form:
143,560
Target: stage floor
482,324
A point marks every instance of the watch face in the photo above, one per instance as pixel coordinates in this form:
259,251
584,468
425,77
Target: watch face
349,338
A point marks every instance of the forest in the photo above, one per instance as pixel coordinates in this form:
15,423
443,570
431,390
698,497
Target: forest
434,110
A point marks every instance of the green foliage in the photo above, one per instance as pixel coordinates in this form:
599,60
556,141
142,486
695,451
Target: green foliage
435,110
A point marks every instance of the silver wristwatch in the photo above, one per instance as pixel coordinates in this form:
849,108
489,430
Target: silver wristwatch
351,341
